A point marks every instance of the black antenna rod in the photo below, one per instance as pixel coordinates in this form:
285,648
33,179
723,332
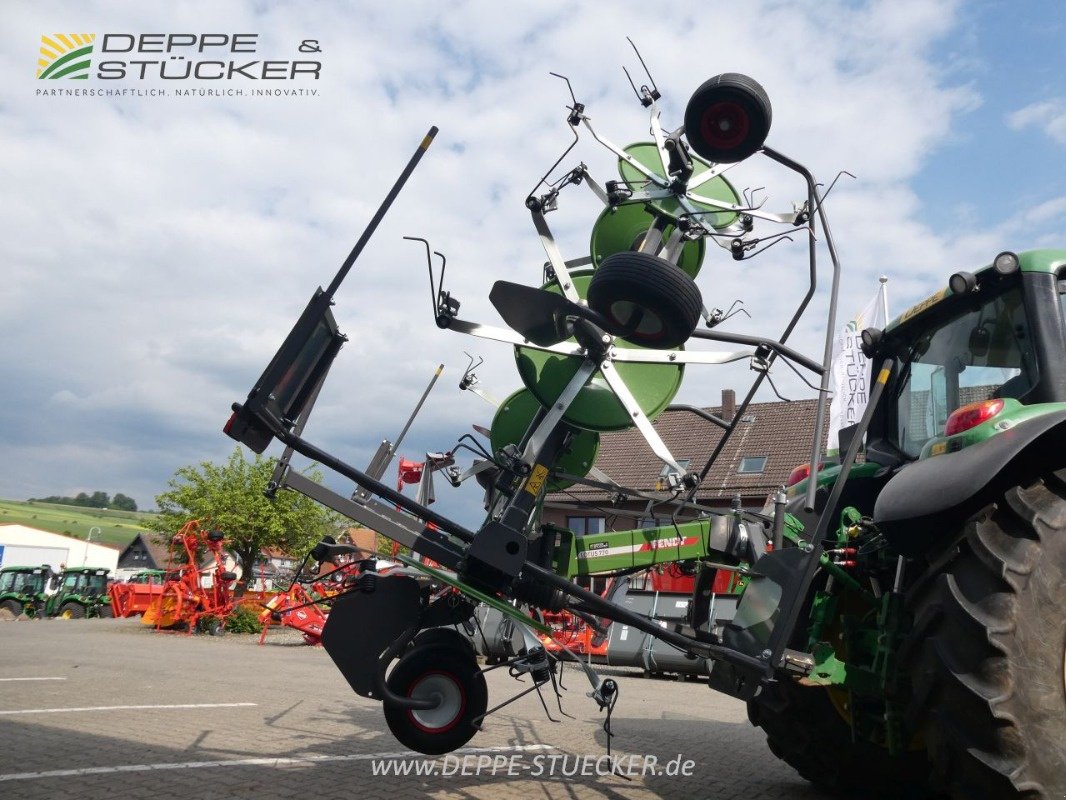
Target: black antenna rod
382,210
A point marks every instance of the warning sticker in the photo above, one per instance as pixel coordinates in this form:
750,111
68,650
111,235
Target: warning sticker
536,479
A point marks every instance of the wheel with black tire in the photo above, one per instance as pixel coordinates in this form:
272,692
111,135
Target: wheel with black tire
12,607
444,637
987,656
104,611
72,611
728,118
806,730
444,672
648,301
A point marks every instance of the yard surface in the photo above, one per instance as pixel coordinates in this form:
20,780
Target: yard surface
109,708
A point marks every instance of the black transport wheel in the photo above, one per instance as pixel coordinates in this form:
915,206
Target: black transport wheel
444,637
728,118
72,611
988,654
805,730
104,611
649,301
446,673
13,607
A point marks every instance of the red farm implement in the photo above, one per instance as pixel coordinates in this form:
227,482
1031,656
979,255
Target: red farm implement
298,608
305,604
137,595
191,592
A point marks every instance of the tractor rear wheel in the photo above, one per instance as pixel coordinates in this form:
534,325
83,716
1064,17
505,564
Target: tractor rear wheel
13,607
72,611
987,656
449,674
805,730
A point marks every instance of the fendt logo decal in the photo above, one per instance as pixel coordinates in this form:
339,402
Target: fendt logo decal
65,55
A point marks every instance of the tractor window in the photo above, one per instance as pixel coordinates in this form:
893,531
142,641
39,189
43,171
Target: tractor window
70,580
7,581
979,354
97,584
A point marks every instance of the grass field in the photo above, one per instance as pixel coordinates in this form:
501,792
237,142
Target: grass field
117,528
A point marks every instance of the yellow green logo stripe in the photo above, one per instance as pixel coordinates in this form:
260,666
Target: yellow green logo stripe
65,55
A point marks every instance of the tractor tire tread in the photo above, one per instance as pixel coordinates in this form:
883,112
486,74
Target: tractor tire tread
987,648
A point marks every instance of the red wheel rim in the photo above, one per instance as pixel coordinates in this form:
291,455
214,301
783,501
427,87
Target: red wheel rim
725,125
449,681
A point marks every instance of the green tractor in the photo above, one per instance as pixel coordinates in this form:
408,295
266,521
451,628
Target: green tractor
23,589
82,593
938,635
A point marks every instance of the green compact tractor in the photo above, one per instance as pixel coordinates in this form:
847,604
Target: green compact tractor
82,593
898,627
23,590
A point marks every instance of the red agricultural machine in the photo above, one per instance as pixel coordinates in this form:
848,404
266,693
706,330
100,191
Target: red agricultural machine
305,604
136,595
193,593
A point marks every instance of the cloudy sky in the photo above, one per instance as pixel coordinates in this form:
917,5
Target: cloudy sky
154,250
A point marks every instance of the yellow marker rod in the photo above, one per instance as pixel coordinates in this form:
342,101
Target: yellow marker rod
380,213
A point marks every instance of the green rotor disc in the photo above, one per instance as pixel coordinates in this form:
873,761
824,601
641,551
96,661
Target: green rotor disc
511,422
717,188
622,228
595,407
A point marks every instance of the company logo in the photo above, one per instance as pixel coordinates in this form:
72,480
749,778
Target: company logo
65,55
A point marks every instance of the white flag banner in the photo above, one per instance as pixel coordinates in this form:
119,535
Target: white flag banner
851,369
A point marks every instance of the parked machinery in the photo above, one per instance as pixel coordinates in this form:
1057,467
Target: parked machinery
136,594
81,592
23,590
899,625
193,593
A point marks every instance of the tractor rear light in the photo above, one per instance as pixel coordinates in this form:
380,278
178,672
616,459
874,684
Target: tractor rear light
972,415
801,473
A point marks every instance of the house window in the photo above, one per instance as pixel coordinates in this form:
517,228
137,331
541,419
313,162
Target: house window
751,465
585,525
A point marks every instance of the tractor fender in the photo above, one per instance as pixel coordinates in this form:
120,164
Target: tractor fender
930,499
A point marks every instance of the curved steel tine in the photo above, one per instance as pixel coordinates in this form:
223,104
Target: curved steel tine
429,264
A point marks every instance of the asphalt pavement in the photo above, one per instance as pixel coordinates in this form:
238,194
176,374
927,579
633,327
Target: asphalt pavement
109,708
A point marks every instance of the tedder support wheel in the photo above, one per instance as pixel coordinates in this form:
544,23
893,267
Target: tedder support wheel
445,672
728,118
652,302
72,611
987,657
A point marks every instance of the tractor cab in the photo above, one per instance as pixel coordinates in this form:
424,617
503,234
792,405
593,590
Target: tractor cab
22,589
975,359
82,592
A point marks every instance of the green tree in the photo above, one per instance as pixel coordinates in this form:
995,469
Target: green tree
99,500
230,497
123,502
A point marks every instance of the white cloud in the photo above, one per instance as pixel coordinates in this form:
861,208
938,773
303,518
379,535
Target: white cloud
1049,116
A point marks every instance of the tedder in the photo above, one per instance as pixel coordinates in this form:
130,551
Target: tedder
194,597
900,628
